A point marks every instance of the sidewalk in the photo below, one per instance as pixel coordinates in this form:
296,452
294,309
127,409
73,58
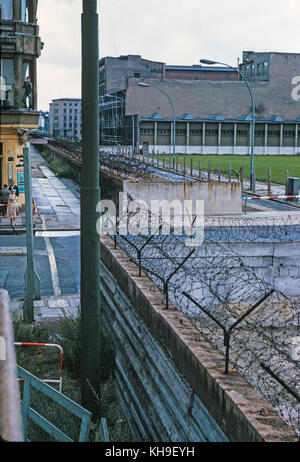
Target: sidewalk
55,256
58,207
51,308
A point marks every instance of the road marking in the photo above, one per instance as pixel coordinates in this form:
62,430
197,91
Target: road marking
59,233
52,262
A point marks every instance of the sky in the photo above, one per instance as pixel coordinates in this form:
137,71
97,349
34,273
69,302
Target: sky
170,31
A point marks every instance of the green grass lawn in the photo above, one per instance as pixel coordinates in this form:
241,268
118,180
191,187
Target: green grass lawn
278,164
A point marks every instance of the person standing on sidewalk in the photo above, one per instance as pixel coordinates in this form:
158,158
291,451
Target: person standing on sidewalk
13,207
4,195
14,188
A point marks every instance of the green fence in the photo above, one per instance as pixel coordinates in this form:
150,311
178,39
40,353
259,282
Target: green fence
48,415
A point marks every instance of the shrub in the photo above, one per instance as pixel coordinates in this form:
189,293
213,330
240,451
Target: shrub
70,339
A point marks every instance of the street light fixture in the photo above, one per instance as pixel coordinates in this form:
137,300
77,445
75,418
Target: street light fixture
146,85
108,95
208,62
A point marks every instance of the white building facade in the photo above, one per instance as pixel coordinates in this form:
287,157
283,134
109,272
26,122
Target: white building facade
65,118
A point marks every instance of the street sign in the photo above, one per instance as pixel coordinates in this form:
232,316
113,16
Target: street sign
21,181
38,141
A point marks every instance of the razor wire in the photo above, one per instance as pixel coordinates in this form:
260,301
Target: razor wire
234,306
120,161
261,321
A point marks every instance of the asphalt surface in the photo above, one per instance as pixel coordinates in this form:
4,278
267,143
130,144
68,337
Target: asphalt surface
67,255
272,205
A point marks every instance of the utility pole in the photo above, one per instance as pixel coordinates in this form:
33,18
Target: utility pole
90,196
32,281
29,276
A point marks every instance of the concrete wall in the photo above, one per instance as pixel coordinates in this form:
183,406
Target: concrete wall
219,198
227,150
277,262
170,380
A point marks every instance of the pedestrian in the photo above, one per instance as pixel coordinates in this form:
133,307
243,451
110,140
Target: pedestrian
14,187
13,207
27,93
4,195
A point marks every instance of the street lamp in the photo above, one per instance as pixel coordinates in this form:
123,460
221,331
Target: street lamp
210,63
108,95
142,84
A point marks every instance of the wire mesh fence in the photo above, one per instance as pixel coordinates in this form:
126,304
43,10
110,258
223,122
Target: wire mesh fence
48,415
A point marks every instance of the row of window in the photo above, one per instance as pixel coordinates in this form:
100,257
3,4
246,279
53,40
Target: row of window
259,69
57,104
210,132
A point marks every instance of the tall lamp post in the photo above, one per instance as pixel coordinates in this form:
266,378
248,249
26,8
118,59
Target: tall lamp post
210,63
90,196
132,116
142,84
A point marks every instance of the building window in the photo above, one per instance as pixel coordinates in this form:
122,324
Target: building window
247,68
227,132
137,75
259,69
265,68
252,70
147,131
6,9
242,132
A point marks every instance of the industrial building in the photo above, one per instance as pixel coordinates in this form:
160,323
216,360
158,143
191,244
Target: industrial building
20,46
212,106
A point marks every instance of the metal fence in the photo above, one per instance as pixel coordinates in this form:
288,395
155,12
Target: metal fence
120,160
48,415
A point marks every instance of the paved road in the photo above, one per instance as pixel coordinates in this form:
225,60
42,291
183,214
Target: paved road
67,257
272,205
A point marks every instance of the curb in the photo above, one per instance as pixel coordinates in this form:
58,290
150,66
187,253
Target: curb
13,251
